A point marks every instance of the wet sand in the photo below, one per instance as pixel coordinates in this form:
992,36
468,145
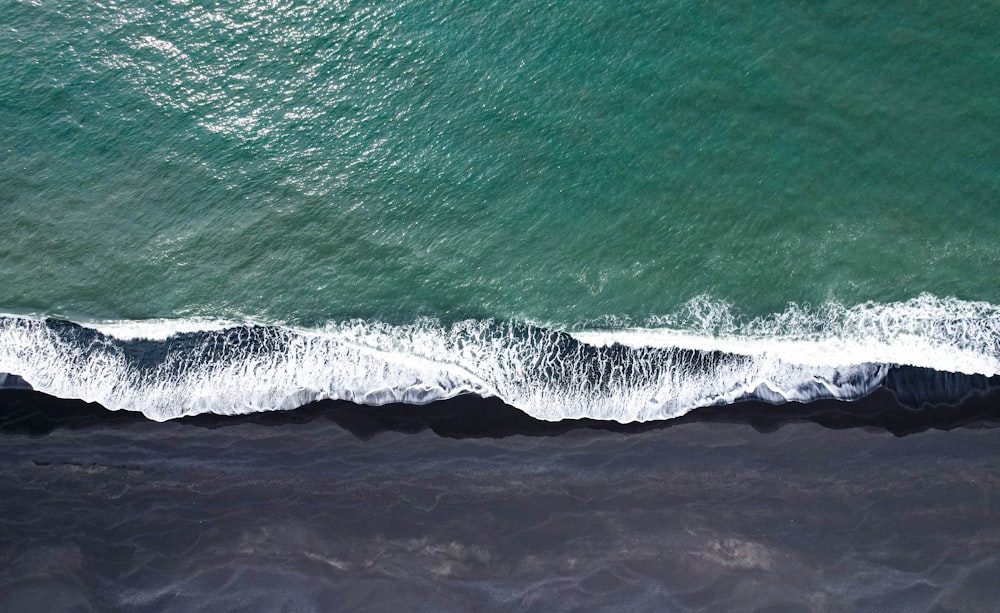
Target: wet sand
336,507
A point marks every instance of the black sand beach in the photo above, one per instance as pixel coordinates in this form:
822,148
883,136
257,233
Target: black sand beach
828,506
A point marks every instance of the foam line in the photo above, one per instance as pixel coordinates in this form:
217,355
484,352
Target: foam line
701,357
944,334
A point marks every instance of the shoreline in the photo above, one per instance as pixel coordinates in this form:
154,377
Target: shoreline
26,411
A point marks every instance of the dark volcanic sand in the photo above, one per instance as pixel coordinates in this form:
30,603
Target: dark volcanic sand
327,508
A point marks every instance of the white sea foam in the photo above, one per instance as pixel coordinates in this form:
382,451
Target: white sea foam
944,334
635,374
160,329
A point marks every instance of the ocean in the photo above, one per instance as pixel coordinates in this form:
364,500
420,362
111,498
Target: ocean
722,240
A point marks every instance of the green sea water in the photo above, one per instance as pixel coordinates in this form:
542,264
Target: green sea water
558,162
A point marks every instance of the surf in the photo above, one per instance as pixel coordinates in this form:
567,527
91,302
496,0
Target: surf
701,356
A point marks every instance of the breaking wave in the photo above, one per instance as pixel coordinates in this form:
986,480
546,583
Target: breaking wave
704,355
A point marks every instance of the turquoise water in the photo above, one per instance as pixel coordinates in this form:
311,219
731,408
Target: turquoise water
416,199
552,162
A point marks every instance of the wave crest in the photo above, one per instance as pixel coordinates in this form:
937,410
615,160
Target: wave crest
172,369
